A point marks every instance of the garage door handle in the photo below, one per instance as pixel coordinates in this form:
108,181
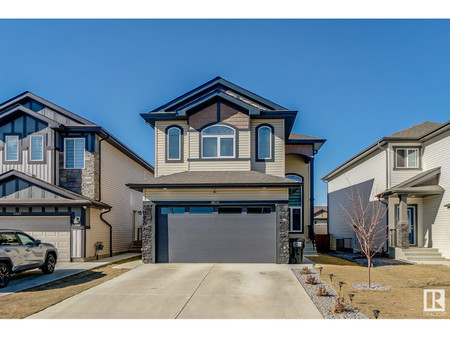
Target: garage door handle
27,250
8,250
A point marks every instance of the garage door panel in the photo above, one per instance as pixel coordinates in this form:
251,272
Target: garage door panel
220,238
53,229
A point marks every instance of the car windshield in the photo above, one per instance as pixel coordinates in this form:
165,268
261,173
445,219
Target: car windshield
8,239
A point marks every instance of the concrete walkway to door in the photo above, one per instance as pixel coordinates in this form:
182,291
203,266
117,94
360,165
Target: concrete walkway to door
193,291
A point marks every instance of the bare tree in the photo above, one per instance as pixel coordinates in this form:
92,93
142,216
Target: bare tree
365,219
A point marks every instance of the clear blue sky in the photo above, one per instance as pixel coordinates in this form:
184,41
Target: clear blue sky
352,81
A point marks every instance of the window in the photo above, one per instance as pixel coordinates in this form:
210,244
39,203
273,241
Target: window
174,143
74,153
37,148
407,157
259,210
12,147
25,239
229,210
8,239
218,142
201,210
264,144
295,205
172,210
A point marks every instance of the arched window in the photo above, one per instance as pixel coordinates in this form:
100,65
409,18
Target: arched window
173,143
264,142
218,141
296,205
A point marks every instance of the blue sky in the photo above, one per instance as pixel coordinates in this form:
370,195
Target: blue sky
353,81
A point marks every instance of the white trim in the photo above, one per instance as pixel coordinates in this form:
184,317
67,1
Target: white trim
65,151
168,144
31,148
270,143
6,148
218,138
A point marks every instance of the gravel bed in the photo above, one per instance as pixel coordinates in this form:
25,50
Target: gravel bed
361,259
324,304
373,287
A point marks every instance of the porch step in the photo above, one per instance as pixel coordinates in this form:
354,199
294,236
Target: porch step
136,246
309,250
423,255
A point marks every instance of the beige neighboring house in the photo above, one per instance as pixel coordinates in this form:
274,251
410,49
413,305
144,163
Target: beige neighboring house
62,180
232,182
320,220
409,173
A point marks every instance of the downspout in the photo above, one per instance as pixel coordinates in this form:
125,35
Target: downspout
311,199
100,192
388,180
387,222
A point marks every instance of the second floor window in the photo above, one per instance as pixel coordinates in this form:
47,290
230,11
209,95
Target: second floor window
174,144
74,153
264,144
37,148
218,142
12,147
407,157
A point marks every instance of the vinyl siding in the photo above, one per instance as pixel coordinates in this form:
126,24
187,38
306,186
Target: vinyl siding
437,154
118,170
296,165
275,167
99,232
397,176
166,168
223,194
368,176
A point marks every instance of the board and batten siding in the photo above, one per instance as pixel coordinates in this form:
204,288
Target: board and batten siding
219,194
118,170
296,165
275,167
437,154
166,168
367,176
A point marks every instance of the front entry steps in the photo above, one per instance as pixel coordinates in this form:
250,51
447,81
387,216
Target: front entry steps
423,255
309,250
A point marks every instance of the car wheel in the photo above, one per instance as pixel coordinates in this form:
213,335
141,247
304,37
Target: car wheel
49,265
5,275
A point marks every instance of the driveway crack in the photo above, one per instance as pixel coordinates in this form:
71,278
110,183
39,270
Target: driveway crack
198,287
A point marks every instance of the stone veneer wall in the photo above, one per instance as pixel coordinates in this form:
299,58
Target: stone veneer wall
82,181
147,234
283,215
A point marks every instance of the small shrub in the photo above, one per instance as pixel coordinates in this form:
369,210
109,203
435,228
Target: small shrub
322,291
304,271
310,279
339,306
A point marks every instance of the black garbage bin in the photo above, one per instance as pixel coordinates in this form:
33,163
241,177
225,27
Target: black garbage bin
298,247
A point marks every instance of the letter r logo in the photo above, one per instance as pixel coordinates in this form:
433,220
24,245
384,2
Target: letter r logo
433,300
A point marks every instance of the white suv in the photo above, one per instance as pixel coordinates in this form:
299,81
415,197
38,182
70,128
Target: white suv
20,252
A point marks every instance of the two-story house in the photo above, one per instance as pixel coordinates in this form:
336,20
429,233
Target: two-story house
408,172
232,182
62,180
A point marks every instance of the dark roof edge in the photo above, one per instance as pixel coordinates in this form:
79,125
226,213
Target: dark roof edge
140,186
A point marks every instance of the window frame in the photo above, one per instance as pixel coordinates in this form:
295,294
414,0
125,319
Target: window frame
180,144
19,148
291,219
406,148
30,144
65,152
218,143
302,201
272,143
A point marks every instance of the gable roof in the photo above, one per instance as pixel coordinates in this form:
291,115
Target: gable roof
19,109
71,197
214,179
417,133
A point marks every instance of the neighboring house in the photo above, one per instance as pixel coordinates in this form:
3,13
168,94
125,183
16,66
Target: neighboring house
409,171
320,220
63,178
232,182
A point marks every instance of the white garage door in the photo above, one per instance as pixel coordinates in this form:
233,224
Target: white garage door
52,229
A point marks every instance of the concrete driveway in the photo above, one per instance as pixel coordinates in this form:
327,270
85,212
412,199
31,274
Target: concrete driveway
192,291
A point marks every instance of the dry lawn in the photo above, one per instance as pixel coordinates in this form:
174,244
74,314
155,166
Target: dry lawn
407,282
25,303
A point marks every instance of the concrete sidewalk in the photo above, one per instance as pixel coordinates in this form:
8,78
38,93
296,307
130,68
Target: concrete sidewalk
32,278
192,291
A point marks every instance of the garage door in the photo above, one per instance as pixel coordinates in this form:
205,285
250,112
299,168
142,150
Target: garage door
206,234
54,230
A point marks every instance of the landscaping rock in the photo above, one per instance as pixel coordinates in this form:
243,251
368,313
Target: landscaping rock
324,304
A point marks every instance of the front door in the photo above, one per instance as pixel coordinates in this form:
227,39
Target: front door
412,219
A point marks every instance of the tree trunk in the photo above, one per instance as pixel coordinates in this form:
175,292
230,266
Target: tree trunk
369,266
